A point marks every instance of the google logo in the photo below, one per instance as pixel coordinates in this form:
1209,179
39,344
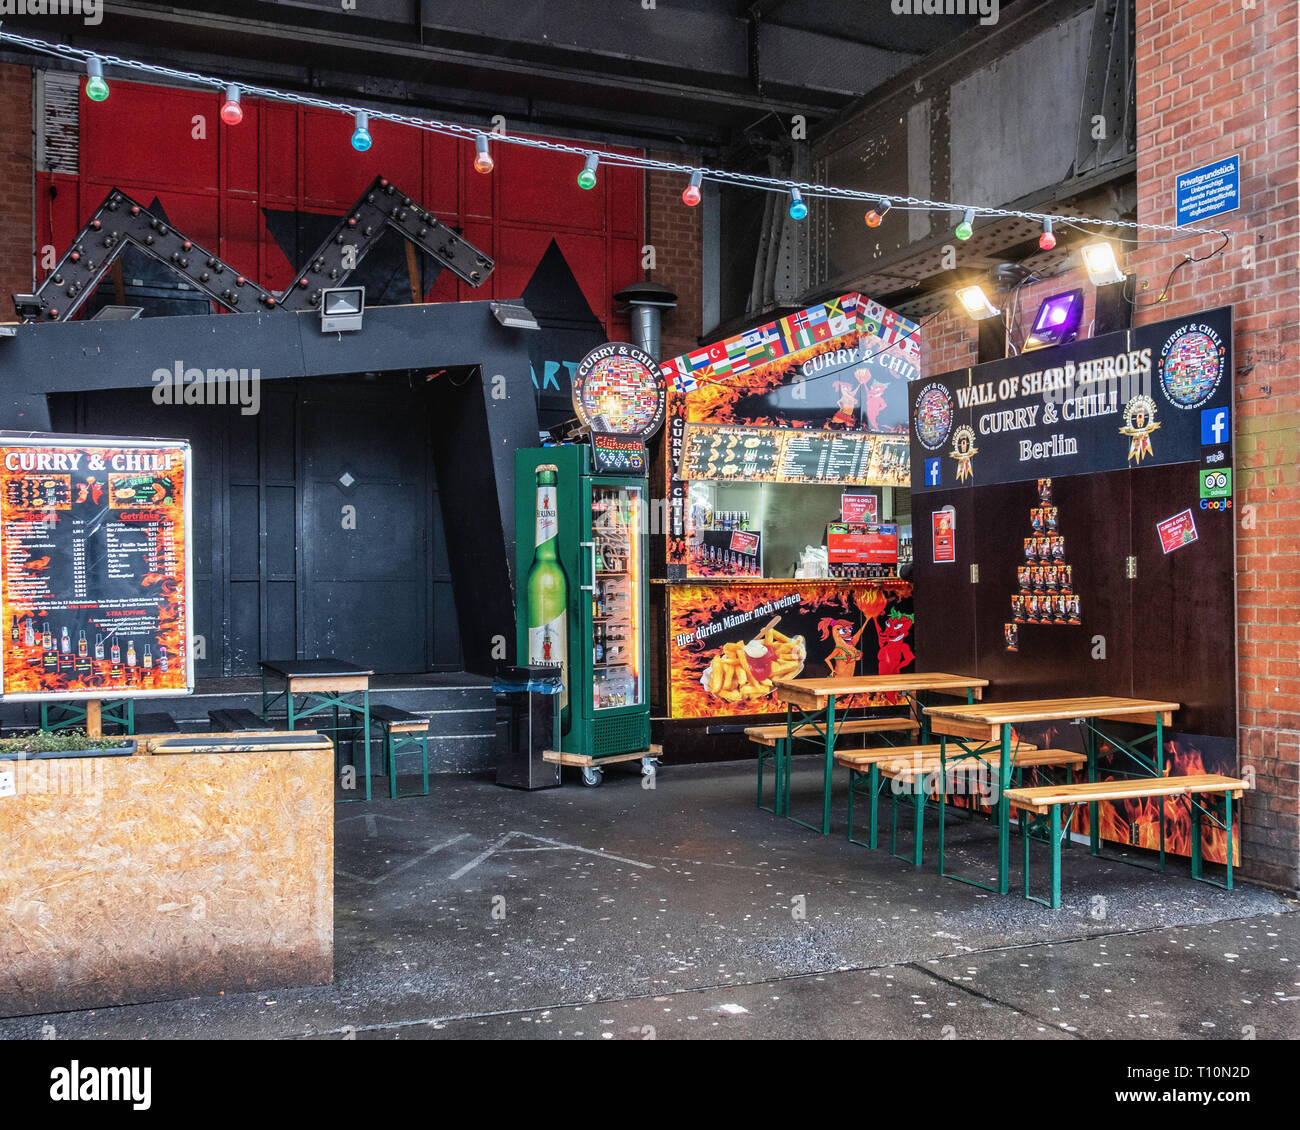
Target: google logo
1216,504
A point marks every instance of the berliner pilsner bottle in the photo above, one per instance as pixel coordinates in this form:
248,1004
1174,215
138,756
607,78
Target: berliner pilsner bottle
548,591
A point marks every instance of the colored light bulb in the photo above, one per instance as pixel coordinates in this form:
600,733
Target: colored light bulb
1048,239
232,113
798,209
691,193
966,228
587,178
361,135
877,214
482,157
96,87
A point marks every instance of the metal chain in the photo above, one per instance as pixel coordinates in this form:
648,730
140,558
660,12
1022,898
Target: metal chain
623,160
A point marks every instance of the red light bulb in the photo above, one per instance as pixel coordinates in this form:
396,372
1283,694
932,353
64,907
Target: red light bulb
1047,240
232,113
690,196
874,219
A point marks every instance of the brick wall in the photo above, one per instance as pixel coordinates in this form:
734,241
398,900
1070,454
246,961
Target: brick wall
15,185
1217,77
676,234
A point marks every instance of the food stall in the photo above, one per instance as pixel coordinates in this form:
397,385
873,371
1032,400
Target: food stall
787,467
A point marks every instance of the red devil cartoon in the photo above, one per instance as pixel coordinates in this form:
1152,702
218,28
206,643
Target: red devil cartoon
843,659
875,405
894,653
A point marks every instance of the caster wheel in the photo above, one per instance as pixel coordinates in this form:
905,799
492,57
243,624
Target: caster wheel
592,776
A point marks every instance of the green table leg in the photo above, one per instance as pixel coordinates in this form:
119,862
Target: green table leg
1056,856
830,765
788,756
1196,837
1004,814
1094,829
873,825
365,712
1160,772
1227,820
943,793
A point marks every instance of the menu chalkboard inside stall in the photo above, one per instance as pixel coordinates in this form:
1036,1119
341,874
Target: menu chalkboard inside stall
821,457
94,567
795,456
731,453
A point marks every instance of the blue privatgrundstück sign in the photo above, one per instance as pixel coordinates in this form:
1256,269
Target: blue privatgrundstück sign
1208,191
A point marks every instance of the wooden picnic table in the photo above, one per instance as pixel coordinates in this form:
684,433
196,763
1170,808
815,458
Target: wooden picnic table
815,700
323,684
982,729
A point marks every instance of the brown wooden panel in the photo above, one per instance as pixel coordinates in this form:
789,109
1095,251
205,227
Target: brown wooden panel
944,598
1183,603
221,878
1056,661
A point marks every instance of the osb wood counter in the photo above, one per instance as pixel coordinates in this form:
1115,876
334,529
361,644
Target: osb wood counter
128,879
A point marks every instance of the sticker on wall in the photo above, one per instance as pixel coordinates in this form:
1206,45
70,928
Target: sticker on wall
944,536
1139,423
1178,531
933,416
1191,365
964,450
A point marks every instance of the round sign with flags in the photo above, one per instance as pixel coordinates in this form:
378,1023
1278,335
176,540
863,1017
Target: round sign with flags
619,388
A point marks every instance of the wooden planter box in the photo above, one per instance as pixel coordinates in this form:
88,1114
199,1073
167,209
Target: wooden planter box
130,879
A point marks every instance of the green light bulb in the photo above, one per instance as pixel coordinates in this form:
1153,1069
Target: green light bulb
964,231
586,179
96,89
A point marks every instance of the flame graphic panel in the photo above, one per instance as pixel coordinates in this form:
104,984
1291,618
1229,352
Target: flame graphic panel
728,646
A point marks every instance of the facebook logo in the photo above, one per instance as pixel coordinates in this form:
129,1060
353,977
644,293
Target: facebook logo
932,472
1214,426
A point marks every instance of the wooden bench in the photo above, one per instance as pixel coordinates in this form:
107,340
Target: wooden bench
1048,800
918,775
156,724
236,721
773,738
401,729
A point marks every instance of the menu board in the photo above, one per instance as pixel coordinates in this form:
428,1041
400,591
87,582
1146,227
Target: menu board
732,453
94,578
795,456
822,457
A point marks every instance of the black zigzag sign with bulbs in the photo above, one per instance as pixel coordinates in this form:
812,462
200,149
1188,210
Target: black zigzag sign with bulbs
119,222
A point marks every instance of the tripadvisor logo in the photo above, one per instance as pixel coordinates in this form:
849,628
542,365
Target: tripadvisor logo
987,10
91,11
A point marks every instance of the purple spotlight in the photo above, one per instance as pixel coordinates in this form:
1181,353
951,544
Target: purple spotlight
1058,320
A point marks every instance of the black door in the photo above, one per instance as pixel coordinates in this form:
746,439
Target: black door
316,523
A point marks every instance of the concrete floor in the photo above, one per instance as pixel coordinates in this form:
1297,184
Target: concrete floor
627,913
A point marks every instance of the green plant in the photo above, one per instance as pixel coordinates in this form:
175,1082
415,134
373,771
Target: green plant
43,741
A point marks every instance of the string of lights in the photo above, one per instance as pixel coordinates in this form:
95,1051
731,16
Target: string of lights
798,192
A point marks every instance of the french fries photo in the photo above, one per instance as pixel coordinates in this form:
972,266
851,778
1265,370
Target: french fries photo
742,671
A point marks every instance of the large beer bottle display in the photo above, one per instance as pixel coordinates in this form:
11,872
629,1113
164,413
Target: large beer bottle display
581,593
548,592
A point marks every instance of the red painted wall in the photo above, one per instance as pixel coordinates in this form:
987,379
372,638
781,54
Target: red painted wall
213,188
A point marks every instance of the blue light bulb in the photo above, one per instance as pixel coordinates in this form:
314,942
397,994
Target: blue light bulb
361,135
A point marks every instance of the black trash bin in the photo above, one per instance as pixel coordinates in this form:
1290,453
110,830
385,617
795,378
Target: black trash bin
528,724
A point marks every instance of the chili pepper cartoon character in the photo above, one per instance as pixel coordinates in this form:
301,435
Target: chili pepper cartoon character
843,658
894,653
875,405
848,403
